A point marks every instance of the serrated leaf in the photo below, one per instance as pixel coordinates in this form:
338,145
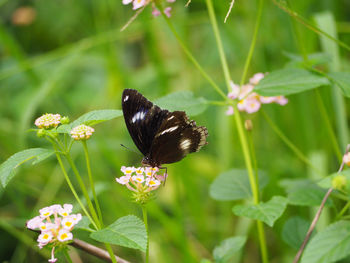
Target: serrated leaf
183,101
128,231
330,245
294,231
91,118
289,81
234,185
7,168
267,212
342,80
228,248
84,224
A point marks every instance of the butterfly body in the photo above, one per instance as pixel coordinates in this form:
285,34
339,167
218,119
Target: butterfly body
160,135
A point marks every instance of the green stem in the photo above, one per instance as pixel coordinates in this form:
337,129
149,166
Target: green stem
144,213
72,188
241,133
65,252
83,188
252,45
190,56
92,185
345,208
110,252
325,118
297,152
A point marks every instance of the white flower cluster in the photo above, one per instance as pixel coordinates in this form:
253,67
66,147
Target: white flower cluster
141,178
48,121
55,223
81,132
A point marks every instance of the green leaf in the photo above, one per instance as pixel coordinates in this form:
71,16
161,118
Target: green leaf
304,193
234,185
342,80
183,101
84,224
7,168
128,231
294,231
267,212
228,248
91,118
330,245
289,81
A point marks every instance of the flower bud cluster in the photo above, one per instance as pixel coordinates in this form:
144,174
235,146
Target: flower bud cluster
248,100
81,132
48,121
141,181
55,224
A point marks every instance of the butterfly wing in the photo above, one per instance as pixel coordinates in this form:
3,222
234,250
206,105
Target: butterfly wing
142,118
176,137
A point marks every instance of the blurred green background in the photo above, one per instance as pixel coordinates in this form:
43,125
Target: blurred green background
69,57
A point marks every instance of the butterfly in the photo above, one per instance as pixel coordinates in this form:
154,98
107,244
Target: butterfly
162,136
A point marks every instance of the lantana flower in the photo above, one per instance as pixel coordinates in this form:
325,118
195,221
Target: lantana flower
48,121
81,132
55,224
141,181
248,100
137,4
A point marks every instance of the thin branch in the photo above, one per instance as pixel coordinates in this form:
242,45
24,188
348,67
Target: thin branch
317,216
96,251
229,10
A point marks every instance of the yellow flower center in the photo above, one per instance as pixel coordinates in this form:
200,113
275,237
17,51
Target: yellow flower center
64,236
68,224
46,236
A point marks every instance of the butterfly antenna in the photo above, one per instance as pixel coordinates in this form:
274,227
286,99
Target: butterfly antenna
130,149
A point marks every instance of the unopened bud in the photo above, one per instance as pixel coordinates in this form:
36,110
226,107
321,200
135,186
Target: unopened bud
339,182
65,120
346,159
248,124
40,133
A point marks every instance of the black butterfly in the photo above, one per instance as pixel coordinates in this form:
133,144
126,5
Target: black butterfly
160,135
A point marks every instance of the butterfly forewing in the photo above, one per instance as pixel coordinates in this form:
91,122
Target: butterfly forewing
142,119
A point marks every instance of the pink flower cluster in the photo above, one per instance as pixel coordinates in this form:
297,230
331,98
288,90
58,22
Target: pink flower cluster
82,132
55,223
139,179
250,101
155,12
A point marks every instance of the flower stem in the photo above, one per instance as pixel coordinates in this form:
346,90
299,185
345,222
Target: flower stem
110,252
144,213
252,45
72,188
284,138
65,252
92,185
83,188
190,56
241,133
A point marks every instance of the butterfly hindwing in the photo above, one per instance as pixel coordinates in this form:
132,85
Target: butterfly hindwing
143,119
177,137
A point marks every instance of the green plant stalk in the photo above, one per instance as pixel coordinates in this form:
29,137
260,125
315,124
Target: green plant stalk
308,25
83,188
110,252
252,45
238,121
345,208
72,188
190,56
92,185
144,213
327,121
66,255
291,146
